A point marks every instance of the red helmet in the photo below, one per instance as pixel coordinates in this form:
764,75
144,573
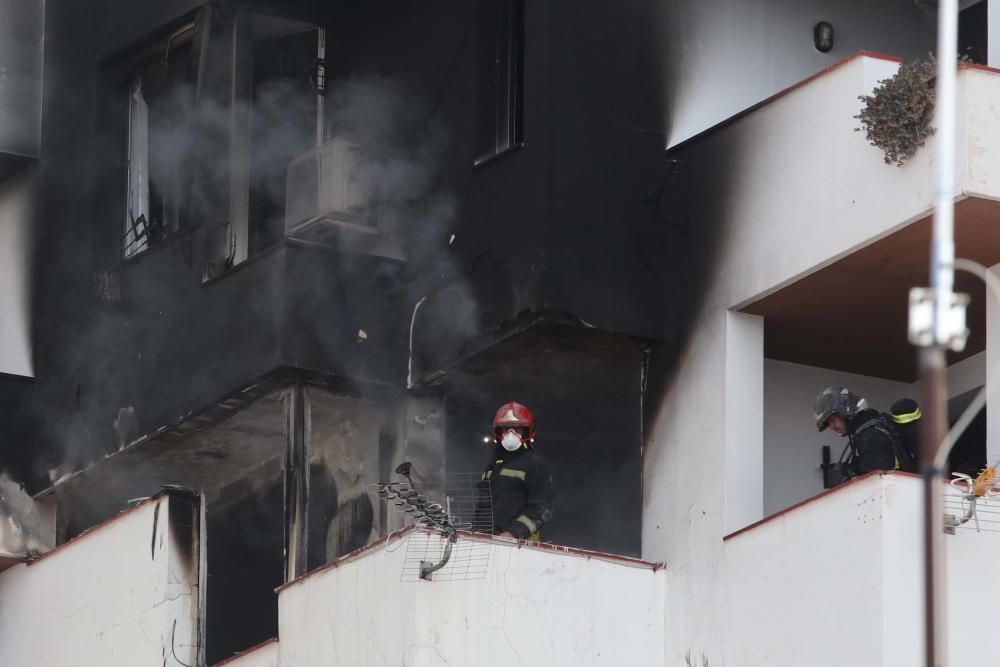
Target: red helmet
514,415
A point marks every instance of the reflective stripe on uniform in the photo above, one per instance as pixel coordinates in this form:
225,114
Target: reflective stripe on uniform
908,417
507,472
531,525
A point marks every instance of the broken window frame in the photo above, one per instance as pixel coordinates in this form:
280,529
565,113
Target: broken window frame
140,231
240,234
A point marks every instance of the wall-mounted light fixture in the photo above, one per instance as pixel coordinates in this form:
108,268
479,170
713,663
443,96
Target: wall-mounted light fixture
823,36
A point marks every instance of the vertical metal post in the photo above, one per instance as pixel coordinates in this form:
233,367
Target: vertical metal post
943,244
321,88
932,357
932,362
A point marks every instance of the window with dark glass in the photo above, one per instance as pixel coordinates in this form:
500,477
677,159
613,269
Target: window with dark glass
500,99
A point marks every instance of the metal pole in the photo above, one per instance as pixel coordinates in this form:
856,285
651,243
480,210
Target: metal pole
932,434
943,244
932,358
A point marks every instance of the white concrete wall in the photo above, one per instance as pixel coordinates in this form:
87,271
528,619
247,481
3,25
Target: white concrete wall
966,375
806,587
792,187
112,597
979,110
534,607
744,415
792,445
992,381
993,35
262,656
799,187
838,582
16,216
726,55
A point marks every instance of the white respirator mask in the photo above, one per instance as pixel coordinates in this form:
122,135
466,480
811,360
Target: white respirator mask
511,441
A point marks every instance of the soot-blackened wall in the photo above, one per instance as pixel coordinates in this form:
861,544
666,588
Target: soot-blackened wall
565,223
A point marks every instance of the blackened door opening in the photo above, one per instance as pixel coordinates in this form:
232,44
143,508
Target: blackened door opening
245,565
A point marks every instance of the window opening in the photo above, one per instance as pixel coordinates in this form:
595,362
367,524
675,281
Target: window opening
275,81
285,121
500,102
160,98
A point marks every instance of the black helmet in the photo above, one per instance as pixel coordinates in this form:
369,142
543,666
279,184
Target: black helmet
905,411
837,401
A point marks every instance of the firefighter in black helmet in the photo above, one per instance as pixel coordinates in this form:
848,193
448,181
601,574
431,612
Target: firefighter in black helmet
872,442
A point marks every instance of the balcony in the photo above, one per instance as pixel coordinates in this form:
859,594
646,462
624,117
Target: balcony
126,592
526,604
841,581
803,192
129,591
804,245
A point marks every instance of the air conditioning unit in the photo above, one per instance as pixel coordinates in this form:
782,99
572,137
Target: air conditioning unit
328,201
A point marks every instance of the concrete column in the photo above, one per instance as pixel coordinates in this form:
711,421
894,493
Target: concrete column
744,420
993,34
992,380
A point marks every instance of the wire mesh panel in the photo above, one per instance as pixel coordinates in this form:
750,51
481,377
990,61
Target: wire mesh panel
973,503
469,558
440,507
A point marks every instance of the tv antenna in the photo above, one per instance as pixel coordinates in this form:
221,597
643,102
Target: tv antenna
439,509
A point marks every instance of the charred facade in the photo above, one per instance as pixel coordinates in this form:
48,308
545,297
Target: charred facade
279,247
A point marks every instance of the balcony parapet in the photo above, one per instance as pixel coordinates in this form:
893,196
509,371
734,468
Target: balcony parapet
848,563
125,592
797,187
534,603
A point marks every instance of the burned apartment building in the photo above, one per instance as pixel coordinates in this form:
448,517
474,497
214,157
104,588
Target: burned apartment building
255,255
268,250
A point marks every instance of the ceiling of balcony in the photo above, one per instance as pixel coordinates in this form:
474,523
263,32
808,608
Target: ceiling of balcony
851,316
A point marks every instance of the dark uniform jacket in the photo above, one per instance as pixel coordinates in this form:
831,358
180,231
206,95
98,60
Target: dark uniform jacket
872,443
519,490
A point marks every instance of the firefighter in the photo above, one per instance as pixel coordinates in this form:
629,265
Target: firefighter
872,442
906,415
517,477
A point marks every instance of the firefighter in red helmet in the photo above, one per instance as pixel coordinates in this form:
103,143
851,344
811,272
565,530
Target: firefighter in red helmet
518,477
